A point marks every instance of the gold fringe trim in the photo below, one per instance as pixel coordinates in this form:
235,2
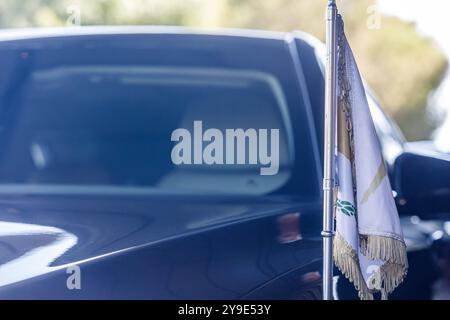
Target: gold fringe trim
346,259
393,253
384,248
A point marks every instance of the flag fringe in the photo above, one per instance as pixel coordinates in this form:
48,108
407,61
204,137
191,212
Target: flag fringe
390,274
346,259
395,268
384,248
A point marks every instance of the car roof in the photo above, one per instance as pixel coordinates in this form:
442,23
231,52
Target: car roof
34,33
82,31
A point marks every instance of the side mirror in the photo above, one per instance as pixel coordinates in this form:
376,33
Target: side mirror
422,183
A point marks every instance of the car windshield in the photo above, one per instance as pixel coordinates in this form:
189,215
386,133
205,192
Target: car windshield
70,122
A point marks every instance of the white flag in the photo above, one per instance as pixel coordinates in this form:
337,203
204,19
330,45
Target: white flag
368,247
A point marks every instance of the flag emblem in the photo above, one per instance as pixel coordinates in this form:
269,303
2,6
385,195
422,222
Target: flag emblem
345,207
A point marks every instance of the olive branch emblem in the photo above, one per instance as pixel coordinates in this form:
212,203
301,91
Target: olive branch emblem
346,207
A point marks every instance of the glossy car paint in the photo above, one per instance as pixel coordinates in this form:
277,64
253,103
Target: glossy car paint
150,247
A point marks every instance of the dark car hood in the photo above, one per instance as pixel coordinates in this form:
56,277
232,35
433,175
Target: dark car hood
40,234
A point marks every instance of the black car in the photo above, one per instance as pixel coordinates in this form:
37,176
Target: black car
97,202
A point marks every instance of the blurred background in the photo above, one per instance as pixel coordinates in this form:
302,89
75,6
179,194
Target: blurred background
401,45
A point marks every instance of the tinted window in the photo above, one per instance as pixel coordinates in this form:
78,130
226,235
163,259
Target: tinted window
102,112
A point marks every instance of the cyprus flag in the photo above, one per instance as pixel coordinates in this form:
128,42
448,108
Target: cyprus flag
368,246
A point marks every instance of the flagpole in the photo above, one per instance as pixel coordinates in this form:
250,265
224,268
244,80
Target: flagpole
329,149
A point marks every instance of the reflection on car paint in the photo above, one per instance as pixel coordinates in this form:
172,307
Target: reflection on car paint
28,257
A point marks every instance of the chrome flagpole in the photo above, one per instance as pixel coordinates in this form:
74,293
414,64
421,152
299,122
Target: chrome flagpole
329,149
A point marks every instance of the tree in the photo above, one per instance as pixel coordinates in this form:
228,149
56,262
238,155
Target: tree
401,66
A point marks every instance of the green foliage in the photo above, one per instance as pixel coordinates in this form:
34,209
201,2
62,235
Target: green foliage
401,66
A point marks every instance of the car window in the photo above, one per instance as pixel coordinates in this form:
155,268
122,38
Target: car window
161,118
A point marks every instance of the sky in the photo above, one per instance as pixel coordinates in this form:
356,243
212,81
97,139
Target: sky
432,18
